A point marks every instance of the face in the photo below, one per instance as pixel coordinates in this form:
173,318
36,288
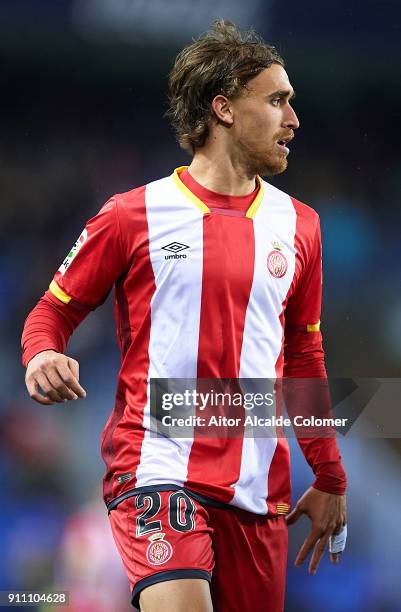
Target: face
263,122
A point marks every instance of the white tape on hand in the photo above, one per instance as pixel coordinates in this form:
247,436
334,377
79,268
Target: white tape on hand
337,542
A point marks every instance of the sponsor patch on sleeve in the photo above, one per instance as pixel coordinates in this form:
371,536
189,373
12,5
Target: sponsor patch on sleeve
77,246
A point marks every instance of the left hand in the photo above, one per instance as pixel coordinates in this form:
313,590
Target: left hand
328,515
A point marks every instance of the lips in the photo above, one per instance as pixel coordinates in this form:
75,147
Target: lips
283,142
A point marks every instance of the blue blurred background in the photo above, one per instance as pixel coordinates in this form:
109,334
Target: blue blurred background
83,97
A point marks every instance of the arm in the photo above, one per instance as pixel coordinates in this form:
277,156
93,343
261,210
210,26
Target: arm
306,386
82,282
45,336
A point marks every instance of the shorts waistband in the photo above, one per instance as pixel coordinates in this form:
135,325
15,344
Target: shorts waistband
167,487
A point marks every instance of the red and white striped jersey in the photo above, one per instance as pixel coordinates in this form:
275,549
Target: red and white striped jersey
198,294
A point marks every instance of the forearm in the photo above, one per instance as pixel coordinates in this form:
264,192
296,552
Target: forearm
323,456
306,393
307,398
49,326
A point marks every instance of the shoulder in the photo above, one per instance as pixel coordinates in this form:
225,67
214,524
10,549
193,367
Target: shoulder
136,197
132,213
305,212
306,215
133,198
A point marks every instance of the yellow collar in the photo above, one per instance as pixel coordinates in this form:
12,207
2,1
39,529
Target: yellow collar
250,213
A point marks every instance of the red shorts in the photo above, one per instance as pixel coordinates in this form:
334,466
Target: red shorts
168,535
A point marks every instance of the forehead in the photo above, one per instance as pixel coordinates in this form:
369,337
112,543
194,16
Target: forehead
270,80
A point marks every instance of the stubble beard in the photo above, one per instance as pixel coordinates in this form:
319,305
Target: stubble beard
269,163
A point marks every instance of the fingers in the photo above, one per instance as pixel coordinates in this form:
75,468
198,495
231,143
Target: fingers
58,384
33,390
339,527
318,554
69,372
293,516
335,557
74,367
307,546
338,542
328,515
53,378
318,539
47,388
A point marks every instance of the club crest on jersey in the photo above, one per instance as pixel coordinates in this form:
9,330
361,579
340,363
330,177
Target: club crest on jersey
81,240
159,550
276,261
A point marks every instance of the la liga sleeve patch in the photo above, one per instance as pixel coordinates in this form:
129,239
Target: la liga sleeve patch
73,252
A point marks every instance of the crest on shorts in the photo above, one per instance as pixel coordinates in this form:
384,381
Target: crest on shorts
159,550
276,261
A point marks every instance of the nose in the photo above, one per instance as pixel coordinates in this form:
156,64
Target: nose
290,119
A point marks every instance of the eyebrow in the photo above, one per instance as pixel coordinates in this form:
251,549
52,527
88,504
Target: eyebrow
283,93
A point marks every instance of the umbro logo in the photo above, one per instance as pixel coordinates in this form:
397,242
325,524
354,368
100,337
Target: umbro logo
175,248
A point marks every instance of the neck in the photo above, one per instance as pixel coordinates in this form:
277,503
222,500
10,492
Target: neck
219,172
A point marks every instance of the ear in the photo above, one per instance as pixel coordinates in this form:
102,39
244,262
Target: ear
223,110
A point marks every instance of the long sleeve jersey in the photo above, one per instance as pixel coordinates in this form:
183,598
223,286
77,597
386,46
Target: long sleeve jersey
207,286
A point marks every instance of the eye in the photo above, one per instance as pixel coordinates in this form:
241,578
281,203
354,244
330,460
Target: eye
276,101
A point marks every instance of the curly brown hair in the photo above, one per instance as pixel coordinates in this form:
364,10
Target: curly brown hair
221,61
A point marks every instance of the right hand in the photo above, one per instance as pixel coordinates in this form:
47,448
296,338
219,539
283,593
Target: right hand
53,377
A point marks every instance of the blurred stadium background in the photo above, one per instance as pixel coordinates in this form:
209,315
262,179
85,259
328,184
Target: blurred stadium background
83,97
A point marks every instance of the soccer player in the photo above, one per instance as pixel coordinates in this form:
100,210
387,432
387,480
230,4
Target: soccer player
217,274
